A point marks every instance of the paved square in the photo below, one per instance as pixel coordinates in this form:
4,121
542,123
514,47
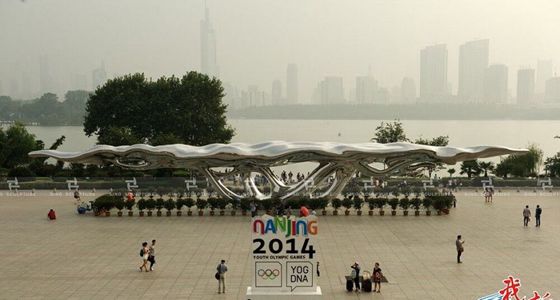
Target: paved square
86,257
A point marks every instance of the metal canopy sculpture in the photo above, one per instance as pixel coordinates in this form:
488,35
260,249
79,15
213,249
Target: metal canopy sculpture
342,160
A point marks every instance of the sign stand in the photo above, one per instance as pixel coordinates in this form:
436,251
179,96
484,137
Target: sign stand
284,259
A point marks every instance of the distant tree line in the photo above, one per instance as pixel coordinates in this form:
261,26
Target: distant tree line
46,110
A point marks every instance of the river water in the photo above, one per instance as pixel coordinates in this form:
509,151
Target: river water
511,133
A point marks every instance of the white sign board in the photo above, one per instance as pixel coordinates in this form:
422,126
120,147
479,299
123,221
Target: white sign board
284,257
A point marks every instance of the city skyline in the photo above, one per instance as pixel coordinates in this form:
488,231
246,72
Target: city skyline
389,61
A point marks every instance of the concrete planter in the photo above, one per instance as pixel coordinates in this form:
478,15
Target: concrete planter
200,213
381,212
233,213
416,212
405,213
370,212
335,212
141,214
359,212
346,212
168,213
158,213
130,213
393,213
179,213
324,212
189,213
222,213
107,213
119,213
428,213
212,213
150,213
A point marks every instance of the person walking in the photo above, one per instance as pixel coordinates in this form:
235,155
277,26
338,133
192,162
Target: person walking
222,269
152,255
538,213
526,215
377,275
144,253
253,209
459,244
356,273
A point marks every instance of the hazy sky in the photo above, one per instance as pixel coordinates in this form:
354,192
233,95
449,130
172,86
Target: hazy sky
256,39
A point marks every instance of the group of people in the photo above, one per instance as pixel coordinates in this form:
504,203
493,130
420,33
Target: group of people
527,216
488,193
148,254
376,277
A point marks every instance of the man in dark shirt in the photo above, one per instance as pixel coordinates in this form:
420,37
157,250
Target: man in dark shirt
538,213
356,278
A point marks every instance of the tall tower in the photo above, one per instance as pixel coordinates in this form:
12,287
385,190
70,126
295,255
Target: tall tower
292,84
525,86
433,73
473,61
544,73
496,84
208,63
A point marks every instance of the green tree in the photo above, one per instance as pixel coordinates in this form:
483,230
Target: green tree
524,165
552,165
15,143
442,140
390,133
486,167
470,167
451,172
132,109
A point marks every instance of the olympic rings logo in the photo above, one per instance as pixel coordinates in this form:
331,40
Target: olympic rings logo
268,274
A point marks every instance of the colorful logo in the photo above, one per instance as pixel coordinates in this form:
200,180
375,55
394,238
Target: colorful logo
289,226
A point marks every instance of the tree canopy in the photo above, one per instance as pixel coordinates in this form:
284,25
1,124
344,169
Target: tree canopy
524,165
133,109
15,144
393,132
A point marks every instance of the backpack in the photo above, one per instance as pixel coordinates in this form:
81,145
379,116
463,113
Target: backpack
141,252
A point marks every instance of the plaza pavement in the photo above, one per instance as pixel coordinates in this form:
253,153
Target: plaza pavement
86,257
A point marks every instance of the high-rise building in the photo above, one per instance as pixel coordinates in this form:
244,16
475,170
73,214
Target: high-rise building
208,63
292,84
408,90
331,90
45,77
98,77
366,88
552,90
276,93
525,86
433,73
496,84
544,73
473,61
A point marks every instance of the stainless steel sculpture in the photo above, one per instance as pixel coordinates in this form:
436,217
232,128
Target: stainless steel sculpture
342,160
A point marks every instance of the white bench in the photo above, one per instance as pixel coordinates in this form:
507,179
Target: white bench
487,184
72,184
545,183
131,184
191,183
428,183
368,184
13,184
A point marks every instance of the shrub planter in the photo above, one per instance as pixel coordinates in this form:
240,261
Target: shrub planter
150,213
405,212
428,213
141,214
347,212
168,213
359,212
233,213
179,213
212,213
222,213
130,213
158,213
189,213
370,212
416,212
381,212
335,212
107,213
445,211
393,213
119,213
200,213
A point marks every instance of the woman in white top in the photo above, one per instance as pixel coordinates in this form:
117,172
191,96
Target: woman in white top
145,253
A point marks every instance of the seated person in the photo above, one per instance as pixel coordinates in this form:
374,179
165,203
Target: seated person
51,215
